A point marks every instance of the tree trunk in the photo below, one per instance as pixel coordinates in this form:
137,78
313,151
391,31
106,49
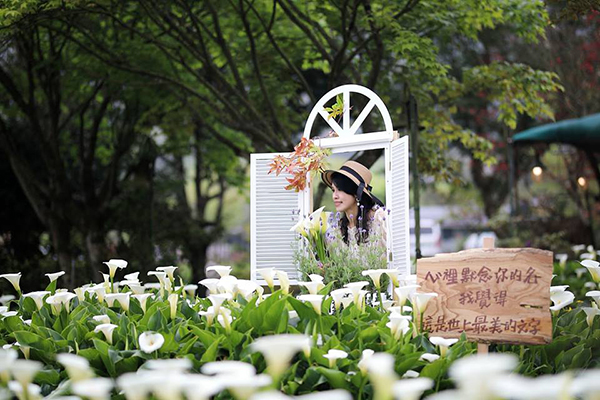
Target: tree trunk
60,232
95,246
198,261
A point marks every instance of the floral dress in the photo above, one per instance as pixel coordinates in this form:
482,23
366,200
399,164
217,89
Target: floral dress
377,228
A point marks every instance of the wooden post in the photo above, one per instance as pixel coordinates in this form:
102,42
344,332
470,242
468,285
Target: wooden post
488,243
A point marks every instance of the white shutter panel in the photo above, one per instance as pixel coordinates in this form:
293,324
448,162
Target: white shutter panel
398,203
273,211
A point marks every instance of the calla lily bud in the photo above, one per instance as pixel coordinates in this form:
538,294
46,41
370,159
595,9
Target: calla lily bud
173,298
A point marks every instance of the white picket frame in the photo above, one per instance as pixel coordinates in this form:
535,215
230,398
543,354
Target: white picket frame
346,141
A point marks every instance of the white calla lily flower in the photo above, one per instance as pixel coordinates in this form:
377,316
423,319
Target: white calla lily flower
411,389
421,300
312,287
595,295
102,318
268,274
403,293
38,297
316,300
429,357
150,341
31,392
244,387
442,343
355,288
210,284
338,296
590,313
284,281
278,351
169,364
134,276
107,330
25,370
143,299
169,270
333,355
114,264
561,300
94,388
14,279
593,268
375,275
77,367
122,298
55,275
362,364
222,270
218,299
380,367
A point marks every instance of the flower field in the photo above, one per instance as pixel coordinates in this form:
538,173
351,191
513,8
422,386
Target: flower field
132,340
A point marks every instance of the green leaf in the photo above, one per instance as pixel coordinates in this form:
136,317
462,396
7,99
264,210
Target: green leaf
337,379
47,377
211,352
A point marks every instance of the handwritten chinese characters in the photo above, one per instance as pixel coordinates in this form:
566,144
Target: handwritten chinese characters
492,295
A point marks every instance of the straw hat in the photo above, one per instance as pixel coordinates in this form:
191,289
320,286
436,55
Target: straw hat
357,173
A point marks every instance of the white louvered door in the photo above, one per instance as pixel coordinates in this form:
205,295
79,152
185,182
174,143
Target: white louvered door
398,204
273,211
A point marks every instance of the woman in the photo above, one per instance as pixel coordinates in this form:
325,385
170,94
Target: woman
362,212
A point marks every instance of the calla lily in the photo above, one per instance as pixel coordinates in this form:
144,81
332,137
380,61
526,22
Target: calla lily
284,281
169,365
142,298
355,288
134,276
403,293
210,284
173,298
375,275
421,300
136,385
399,324
5,298
77,367
7,314
100,291
338,295
122,298
411,374
316,278
561,300
14,279
346,301
312,287
474,374
556,289
247,288
54,276
393,274
429,357
316,300
7,357
244,387
222,270
190,289
595,295
62,298
80,293
198,387
225,319
362,364
268,274
38,298
229,367
590,313
228,284
218,299
113,265
150,341
278,351
380,367
25,370
209,314
333,355
169,270
594,269
411,389
31,392
301,227
103,318
94,389
107,330
442,343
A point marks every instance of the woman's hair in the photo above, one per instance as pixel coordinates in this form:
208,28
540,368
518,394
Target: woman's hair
363,225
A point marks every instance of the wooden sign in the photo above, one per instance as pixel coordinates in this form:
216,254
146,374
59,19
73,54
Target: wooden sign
492,295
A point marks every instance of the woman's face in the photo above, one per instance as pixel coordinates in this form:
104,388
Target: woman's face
342,200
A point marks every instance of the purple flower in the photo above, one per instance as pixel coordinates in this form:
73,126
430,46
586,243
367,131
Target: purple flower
359,218
362,206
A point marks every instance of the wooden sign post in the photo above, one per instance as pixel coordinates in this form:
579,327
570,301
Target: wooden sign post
492,295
